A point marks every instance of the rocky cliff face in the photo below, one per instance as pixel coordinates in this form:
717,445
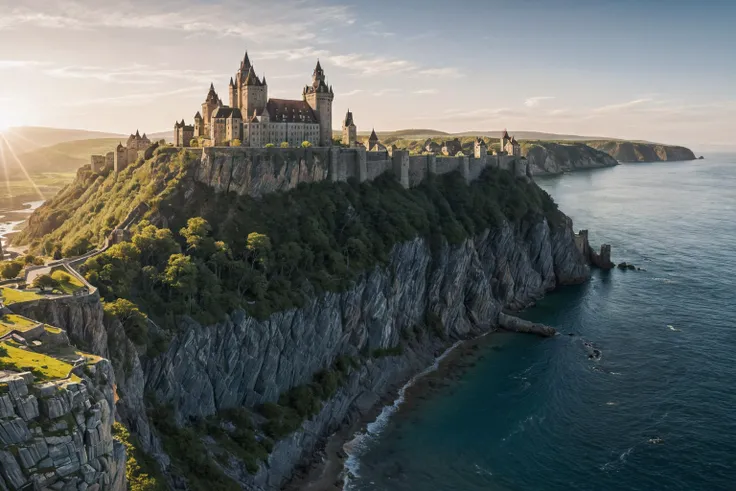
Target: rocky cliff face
555,158
624,151
57,435
245,362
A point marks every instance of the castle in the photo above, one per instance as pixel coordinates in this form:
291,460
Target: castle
122,156
252,119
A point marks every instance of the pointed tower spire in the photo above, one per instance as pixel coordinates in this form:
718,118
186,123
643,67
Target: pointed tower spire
246,60
232,83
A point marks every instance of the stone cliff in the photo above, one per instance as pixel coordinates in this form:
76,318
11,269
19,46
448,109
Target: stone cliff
245,362
556,158
56,414
625,151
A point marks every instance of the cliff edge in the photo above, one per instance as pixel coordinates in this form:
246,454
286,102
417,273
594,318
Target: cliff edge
626,151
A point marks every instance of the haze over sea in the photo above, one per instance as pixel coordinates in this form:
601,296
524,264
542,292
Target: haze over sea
656,412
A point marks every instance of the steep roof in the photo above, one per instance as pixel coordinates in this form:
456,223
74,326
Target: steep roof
225,112
373,136
505,135
348,119
290,111
252,78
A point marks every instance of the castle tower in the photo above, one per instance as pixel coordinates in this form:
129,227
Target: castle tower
480,148
319,97
349,130
372,140
253,92
209,106
505,139
198,125
232,92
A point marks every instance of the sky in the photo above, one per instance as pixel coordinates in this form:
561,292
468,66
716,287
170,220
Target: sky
657,70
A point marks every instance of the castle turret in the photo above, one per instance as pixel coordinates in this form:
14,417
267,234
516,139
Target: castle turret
480,148
349,130
232,92
211,103
505,139
319,97
372,140
198,126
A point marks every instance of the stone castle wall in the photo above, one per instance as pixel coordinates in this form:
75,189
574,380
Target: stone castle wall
257,171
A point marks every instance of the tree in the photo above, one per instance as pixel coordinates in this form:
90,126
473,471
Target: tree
196,233
236,143
133,320
306,144
181,274
259,245
44,281
193,142
270,145
460,154
10,269
284,144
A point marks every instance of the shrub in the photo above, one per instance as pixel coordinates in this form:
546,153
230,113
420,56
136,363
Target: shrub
284,144
133,320
10,269
270,145
306,144
393,351
236,143
45,282
194,142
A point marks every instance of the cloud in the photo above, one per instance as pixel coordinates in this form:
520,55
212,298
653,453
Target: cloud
255,20
534,101
351,93
621,106
449,72
8,64
131,99
426,92
383,92
377,29
132,74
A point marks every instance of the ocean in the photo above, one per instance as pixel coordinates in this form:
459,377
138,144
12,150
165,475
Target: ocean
656,411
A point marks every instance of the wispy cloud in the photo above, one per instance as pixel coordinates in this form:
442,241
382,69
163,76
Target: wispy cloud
131,99
425,92
534,101
621,106
383,92
377,29
253,20
352,93
7,64
449,72
133,74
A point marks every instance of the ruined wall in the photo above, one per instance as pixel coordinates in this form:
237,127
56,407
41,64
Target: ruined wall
377,163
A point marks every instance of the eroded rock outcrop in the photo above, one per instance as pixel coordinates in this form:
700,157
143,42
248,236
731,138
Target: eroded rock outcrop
57,434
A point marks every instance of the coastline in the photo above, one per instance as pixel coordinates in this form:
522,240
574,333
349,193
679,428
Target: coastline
329,470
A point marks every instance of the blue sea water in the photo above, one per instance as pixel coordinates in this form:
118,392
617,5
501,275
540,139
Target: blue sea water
656,412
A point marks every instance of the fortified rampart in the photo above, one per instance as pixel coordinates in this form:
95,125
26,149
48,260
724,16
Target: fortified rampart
257,171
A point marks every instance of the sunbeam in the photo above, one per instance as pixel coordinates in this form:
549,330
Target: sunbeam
22,167
5,169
